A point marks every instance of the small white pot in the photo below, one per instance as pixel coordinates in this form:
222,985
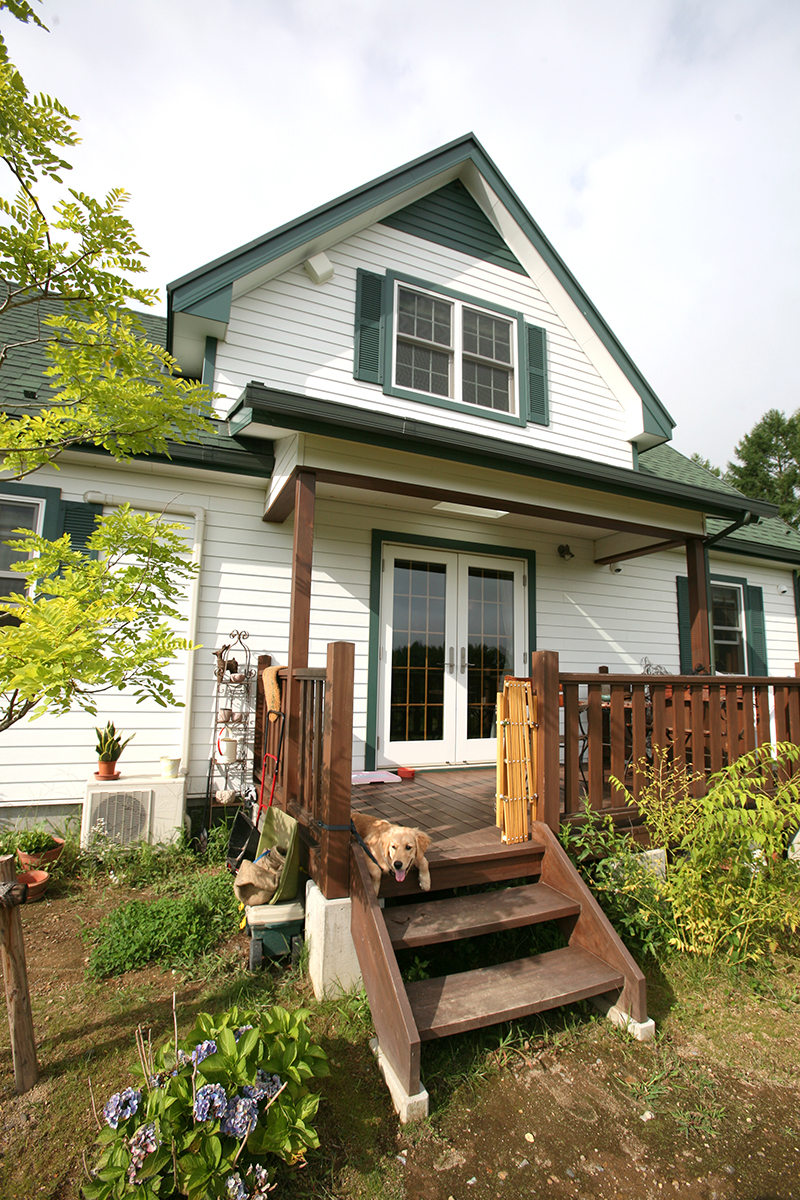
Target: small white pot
169,767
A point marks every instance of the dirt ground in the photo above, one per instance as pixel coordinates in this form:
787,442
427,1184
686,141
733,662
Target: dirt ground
568,1109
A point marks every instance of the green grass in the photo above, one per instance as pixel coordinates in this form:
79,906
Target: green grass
173,930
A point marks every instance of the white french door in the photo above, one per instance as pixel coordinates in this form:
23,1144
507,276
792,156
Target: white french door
452,625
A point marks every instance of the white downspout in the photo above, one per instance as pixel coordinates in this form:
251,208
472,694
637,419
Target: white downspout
199,515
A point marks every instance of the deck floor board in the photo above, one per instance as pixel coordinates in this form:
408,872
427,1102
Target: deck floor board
444,804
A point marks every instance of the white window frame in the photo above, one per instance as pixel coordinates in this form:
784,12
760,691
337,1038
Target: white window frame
9,498
456,351
741,628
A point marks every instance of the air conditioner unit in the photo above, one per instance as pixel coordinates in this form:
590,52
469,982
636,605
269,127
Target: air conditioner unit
135,808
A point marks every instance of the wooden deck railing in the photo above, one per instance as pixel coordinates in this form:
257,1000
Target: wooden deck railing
317,791
608,723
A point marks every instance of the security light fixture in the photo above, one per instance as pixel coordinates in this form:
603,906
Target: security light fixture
565,552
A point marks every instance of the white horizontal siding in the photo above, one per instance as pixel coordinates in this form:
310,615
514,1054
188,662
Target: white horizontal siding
590,616
296,336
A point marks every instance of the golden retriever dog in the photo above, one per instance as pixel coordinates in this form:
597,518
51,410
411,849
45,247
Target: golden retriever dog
396,849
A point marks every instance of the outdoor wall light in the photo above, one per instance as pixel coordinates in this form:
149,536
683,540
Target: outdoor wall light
565,552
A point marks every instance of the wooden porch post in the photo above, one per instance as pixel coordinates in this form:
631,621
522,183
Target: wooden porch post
337,772
699,604
544,680
299,618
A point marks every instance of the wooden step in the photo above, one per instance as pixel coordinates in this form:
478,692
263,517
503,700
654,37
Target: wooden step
427,923
471,859
473,999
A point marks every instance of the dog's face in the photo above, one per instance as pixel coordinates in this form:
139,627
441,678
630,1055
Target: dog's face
401,849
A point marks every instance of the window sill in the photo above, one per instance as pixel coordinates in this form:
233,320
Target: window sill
475,410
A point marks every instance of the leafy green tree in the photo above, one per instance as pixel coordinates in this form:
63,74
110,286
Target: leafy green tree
769,463
87,625
84,624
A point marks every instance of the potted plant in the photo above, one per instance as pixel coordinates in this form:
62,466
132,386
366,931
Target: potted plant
37,882
36,847
109,748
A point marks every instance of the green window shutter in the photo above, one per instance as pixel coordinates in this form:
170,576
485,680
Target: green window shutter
536,374
368,356
684,625
756,632
78,520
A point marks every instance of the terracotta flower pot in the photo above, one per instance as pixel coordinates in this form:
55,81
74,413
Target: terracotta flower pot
107,770
37,882
31,861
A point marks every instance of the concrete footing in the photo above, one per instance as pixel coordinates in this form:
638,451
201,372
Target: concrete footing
332,962
642,1031
408,1108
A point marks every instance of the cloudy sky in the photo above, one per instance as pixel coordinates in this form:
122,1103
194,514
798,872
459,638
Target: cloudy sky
655,142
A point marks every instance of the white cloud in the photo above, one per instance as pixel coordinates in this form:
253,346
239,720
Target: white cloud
655,144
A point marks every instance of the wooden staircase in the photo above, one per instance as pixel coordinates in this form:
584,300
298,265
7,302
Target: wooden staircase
594,963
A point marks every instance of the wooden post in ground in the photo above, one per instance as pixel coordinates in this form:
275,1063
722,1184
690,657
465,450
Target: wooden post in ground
18,999
337,772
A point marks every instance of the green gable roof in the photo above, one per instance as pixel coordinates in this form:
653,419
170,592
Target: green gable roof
450,217
211,283
770,538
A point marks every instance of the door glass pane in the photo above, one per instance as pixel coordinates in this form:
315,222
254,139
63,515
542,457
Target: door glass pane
726,619
490,638
417,687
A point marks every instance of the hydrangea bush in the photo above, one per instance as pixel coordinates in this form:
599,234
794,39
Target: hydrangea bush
213,1111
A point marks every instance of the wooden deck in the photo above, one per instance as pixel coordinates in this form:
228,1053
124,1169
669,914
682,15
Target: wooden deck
443,804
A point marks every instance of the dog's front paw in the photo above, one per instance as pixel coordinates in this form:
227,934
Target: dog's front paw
425,879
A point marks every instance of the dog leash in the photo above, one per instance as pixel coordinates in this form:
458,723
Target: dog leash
355,833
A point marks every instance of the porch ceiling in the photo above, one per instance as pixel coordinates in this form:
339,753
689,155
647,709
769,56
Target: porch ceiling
566,525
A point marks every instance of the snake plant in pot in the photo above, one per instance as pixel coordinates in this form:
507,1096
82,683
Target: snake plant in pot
109,748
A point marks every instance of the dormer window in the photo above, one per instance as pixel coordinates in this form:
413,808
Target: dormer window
451,349
428,343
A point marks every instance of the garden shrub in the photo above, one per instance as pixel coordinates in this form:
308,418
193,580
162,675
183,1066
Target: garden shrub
175,930
729,888
214,1112
624,881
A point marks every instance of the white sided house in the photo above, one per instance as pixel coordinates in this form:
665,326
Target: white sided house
433,447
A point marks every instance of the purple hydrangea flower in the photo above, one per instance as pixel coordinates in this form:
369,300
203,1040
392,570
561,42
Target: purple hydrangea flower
258,1178
210,1102
121,1106
241,1117
203,1050
236,1188
237,1033
265,1086
143,1142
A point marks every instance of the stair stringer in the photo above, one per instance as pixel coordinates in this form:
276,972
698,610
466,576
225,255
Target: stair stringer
398,1036
592,929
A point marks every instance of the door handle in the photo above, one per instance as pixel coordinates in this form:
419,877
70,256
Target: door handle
452,663
463,659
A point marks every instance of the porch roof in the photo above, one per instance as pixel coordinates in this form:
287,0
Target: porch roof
266,411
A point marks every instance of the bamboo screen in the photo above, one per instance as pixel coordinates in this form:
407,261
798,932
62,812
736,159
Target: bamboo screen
516,759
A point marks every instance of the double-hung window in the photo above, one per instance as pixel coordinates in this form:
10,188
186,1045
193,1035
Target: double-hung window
738,631
727,622
437,346
15,513
451,349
